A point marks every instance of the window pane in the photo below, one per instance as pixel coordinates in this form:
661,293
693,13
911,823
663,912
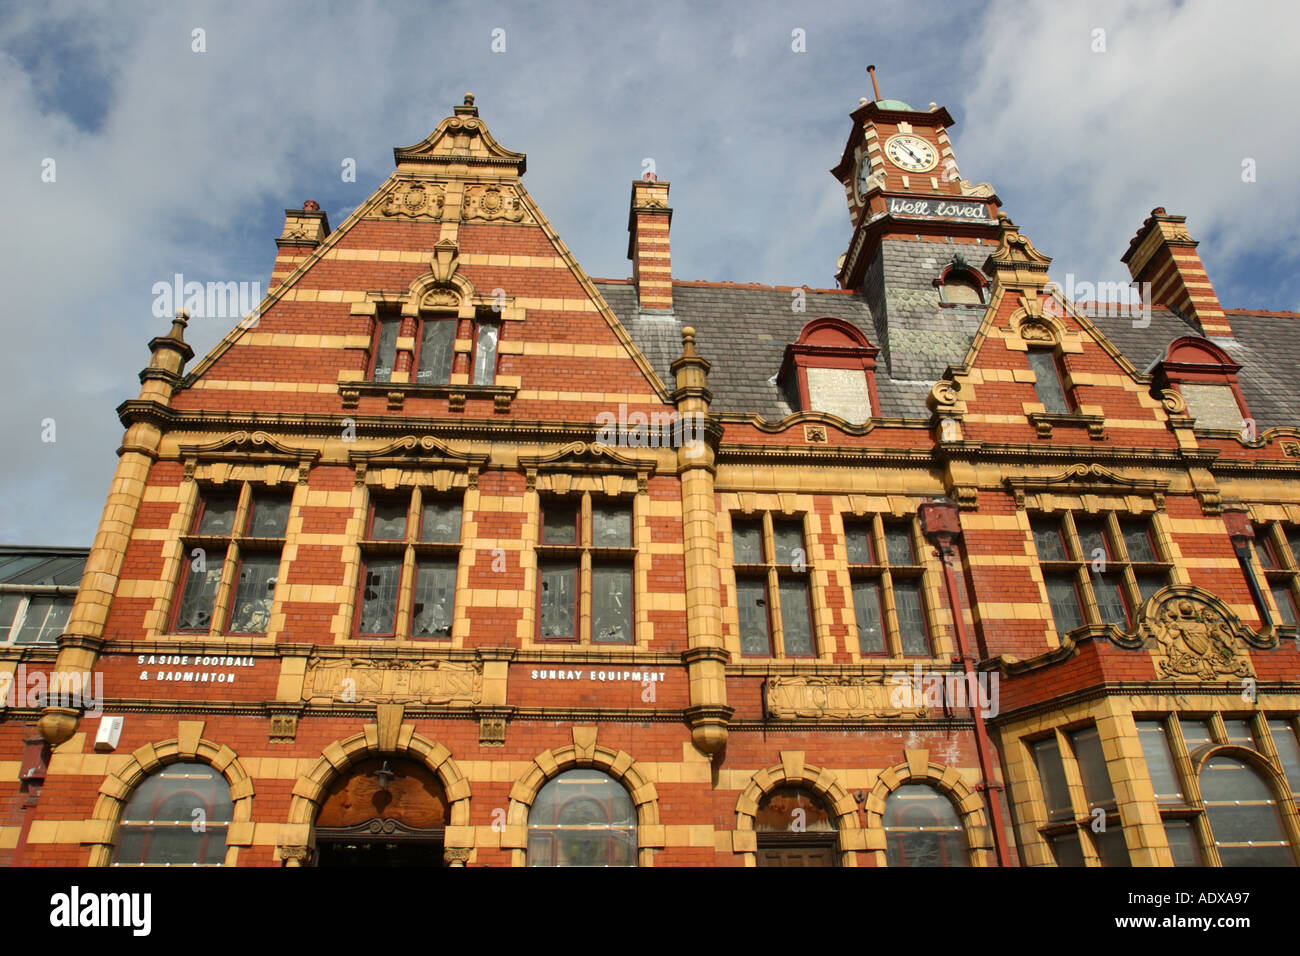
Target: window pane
1264,547
1288,751
386,348
158,822
1111,846
270,517
898,545
1109,590
379,596
857,538
218,517
559,588
1048,384
1047,539
1148,583
796,625
200,591
255,594
45,619
388,521
1284,600
611,586
866,605
1138,542
1160,761
435,597
1092,543
1293,539
911,618
485,353
747,542
751,606
788,538
560,524
1051,775
611,526
9,604
437,340
1183,843
1066,849
582,818
441,521
1196,733
1063,597
922,829
1243,815
1092,768
1239,732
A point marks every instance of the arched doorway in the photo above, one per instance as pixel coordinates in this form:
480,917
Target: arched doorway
384,812
795,828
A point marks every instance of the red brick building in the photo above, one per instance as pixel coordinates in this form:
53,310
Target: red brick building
453,553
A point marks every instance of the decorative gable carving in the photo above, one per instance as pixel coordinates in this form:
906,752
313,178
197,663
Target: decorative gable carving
586,459
1084,479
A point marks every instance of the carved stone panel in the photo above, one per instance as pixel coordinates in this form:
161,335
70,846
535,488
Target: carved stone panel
362,680
1193,638
415,201
845,698
492,202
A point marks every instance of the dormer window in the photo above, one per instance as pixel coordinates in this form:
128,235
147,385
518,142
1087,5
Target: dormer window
1207,379
961,285
831,368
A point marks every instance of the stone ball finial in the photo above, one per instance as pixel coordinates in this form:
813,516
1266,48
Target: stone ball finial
311,205
469,99
1159,211
688,333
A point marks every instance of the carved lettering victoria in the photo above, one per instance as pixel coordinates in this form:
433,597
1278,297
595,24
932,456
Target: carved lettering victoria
361,680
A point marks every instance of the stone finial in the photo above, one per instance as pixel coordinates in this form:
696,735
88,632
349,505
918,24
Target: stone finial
469,99
311,205
688,340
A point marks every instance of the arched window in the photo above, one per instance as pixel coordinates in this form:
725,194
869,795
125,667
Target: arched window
794,828
960,288
1243,815
582,818
960,284
922,829
177,817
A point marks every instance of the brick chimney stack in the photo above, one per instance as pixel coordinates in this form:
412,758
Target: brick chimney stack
648,222
304,230
1163,254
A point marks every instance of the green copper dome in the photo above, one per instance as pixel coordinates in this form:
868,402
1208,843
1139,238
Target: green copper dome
893,105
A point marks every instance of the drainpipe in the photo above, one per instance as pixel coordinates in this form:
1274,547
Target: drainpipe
31,777
942,525
1237,521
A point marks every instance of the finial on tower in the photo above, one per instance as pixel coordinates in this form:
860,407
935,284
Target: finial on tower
871,72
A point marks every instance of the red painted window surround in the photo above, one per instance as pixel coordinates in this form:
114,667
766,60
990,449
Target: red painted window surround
1196,361
829,343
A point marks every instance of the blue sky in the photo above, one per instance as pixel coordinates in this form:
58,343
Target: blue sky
169,160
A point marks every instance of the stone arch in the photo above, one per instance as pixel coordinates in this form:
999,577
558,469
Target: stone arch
428,293
793,771
387,738
188,744
584,754
917,768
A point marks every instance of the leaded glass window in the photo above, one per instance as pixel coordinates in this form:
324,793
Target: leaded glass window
178,816
582,818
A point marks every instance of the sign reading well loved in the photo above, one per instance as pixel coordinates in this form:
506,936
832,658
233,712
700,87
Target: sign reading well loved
938,209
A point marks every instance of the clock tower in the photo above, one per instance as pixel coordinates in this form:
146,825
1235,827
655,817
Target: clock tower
901,178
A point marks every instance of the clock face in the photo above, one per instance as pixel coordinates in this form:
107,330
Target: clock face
864,173
911,153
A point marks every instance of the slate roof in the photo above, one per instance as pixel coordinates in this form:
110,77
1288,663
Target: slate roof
743,331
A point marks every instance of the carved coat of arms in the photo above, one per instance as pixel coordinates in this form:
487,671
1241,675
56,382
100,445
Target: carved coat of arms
1196,640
